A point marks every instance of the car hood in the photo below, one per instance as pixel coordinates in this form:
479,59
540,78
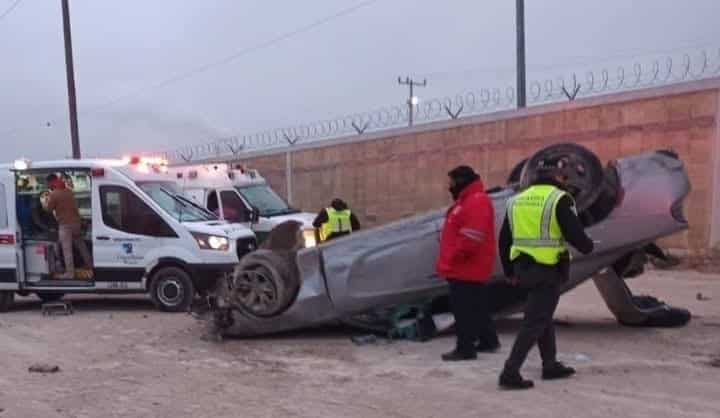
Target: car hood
304,217
232,231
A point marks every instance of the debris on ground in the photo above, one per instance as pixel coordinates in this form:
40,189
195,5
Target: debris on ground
44,368
364,339
714,362
702,297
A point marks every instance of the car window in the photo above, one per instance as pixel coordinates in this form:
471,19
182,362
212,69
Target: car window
167,195
233,207
212,202
125,211
265,199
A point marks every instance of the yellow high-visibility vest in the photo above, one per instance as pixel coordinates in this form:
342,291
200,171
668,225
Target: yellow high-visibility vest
338,222
535,228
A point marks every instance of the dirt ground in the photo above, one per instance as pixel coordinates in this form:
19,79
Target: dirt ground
120,358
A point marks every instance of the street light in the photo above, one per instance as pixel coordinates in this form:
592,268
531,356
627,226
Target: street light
414,101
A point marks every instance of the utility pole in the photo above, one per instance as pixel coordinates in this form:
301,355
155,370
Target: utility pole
72,102
520,26
412,100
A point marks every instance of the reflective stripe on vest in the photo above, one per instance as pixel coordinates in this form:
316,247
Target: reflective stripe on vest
533,222
338,222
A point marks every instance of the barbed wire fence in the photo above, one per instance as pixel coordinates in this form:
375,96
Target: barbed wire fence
638,75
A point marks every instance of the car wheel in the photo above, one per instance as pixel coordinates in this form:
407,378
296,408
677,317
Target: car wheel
172,290
265,283
6,300
585,177
50,297
516,172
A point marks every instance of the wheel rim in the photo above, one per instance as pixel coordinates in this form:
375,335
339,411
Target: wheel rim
256,291
170,291
585,173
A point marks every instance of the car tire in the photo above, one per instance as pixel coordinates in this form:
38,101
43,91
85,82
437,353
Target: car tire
50,297
587,175
265,283
172,290
6,300
516,173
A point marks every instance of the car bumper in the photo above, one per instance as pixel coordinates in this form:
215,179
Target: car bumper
205,276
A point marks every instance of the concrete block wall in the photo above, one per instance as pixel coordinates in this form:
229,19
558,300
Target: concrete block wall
393,174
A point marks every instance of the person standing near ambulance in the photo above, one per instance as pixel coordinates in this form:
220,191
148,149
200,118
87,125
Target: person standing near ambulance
335,221
62,203
538,223
466,261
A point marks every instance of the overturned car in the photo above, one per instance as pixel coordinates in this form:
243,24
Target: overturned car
625,207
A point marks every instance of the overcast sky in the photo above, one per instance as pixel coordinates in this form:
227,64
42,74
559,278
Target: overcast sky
124,49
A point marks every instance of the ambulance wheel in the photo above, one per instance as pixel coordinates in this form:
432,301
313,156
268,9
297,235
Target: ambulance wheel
6,300
172,290
265,283
50,297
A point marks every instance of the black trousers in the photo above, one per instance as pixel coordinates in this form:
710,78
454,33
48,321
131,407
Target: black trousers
470,305
543,286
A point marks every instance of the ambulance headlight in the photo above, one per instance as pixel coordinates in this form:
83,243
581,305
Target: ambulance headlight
309,237
211,242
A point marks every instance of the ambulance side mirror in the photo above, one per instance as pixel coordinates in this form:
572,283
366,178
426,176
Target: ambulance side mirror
254,215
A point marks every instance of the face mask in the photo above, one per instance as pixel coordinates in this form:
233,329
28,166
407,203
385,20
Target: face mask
457,189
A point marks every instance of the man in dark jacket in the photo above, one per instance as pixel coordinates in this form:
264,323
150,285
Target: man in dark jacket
534,256
466,259
335,221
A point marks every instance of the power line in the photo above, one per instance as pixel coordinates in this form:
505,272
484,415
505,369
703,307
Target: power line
238,54
10,9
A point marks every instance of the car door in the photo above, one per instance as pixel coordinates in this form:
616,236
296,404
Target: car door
8,229
126,230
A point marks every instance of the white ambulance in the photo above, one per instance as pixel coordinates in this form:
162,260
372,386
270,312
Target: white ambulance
238,194
144,236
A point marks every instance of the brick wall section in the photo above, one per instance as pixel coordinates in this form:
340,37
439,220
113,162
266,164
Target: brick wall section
398,175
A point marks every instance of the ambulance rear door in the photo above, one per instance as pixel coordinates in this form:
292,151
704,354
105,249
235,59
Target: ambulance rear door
8,232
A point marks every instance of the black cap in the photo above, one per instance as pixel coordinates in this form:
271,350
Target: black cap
463,173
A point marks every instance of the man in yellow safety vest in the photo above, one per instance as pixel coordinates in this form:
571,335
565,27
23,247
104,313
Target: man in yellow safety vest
335,221
538,223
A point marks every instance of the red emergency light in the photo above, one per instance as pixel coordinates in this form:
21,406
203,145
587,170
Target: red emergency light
97,172
7,239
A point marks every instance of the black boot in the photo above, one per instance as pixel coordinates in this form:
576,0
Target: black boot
456,355
514,382
483,347
557,371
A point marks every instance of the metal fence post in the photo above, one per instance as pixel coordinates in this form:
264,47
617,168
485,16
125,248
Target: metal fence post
289,174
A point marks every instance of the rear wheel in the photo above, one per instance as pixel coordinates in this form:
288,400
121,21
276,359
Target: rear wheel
6,300
172,290
265,283
585,177
50,297
516,172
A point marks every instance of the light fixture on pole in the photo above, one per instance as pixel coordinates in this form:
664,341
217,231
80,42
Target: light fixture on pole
412,99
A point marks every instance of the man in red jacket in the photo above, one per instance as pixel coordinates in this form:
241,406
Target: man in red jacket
466,260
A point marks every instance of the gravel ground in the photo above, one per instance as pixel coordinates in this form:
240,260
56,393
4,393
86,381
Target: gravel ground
120,358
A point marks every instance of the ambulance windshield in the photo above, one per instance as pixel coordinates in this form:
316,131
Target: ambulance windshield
167,196
266,200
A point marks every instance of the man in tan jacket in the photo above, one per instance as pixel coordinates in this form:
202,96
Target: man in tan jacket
62,203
